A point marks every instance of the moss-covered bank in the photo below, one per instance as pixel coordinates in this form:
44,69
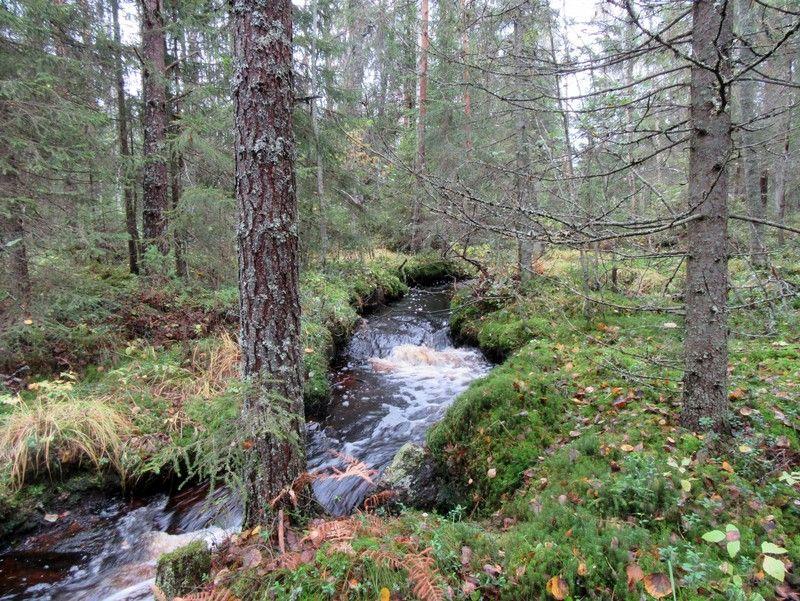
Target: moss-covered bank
568,474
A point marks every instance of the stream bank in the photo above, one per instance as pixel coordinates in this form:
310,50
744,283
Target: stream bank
404,346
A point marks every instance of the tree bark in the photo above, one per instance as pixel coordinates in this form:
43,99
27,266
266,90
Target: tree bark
751,169
312,107
522,191
705,399
268,250
416,217
124,148
154,199
782,167
176,163
356,59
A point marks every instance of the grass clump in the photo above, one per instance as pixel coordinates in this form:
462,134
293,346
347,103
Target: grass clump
57,429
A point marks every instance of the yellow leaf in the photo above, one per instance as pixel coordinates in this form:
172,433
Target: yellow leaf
626,447
385,595
727,467
309,350
745,449
28,322
557,588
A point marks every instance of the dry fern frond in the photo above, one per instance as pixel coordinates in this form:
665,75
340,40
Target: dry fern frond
336,530
378,499
354,467
220,594
420,570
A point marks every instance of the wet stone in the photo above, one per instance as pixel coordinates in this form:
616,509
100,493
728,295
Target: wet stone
183,570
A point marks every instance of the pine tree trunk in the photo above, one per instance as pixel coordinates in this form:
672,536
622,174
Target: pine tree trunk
416,217
465,77
124,148
705,399
268,250
154,199
316,91
522,162
751,169
176,160
782,167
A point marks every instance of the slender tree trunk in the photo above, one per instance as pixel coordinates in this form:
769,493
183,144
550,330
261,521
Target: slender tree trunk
751,169
465,77
705,399
416,218
154,200
782,167
316,91
124,148
176,163
356,55
268,250
522,159
409,64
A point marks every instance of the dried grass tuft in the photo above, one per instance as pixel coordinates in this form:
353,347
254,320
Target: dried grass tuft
44,433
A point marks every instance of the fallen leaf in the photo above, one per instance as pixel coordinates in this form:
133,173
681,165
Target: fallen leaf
657,585
635,574
727,467
385,594
772,548
491,473
626,447
28,322
557,588
251,558
50,517
774,567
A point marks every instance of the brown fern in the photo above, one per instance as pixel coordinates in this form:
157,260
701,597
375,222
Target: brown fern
420,570
374,501
220,594
333,530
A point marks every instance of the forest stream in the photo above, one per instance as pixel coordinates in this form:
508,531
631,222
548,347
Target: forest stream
395,379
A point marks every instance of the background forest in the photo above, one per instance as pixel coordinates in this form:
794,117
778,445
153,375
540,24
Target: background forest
611,186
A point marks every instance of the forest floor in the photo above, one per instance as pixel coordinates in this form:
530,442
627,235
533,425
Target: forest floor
566,474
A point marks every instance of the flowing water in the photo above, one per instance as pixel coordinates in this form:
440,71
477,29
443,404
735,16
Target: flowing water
396,378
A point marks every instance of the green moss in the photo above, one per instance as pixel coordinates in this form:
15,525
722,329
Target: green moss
183,570
518,401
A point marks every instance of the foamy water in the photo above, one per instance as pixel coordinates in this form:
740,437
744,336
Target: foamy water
402,371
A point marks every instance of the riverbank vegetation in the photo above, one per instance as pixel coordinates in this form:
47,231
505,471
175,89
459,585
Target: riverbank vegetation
565,471
157,393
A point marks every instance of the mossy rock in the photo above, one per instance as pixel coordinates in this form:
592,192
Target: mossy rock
184,569
412,477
